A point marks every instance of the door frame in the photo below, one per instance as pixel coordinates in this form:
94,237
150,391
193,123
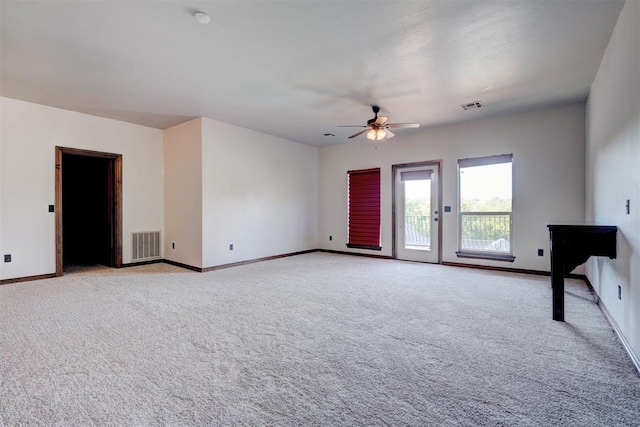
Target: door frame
115,195
394,169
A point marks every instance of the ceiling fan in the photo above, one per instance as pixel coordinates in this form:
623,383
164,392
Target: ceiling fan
377,128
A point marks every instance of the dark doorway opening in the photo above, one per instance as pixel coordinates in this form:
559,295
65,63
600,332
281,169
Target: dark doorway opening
86,223
88,209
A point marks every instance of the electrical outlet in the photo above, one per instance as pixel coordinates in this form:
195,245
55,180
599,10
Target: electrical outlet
231,247
173,245
540,252
330,237
619,292
51,208
7,258
628,206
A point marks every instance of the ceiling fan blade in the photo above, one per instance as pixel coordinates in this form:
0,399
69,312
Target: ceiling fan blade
389,134
381,120
403,125
358,133
351,126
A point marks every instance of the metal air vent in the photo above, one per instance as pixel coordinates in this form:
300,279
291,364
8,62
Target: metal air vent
471,105
145,245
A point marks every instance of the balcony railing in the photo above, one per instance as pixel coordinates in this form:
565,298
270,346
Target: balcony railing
485,232
417,230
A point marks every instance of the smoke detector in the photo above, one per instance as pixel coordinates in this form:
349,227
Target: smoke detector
202,17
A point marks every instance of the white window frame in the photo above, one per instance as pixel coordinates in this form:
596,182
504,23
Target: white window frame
493,254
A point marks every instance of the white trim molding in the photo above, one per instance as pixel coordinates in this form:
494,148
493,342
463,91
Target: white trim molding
623,340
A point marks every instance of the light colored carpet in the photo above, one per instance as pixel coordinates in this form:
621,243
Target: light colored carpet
315,339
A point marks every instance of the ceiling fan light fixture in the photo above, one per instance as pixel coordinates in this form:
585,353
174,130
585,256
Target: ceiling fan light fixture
377,128
376,134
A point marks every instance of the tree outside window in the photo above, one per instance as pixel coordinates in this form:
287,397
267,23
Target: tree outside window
485,221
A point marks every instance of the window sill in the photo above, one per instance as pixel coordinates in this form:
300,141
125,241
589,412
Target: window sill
373,248
491,257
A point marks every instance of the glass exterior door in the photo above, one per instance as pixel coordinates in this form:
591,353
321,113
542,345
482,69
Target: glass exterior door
417,214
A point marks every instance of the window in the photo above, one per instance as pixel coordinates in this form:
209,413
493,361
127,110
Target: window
364,209
485,206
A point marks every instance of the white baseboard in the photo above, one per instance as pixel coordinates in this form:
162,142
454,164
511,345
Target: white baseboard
623,340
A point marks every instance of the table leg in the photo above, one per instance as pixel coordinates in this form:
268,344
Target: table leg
557,283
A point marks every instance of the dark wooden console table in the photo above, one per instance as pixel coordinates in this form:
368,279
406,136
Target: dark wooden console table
572,245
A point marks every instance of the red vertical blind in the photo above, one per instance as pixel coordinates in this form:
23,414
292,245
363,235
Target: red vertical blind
364,209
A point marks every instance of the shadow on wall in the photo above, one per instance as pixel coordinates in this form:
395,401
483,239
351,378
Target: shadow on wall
623,260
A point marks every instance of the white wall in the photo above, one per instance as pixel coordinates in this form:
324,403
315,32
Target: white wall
548,177
28,137
259,194
1,186
613,171
183,193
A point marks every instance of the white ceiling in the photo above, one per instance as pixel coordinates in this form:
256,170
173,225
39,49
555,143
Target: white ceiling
297,69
